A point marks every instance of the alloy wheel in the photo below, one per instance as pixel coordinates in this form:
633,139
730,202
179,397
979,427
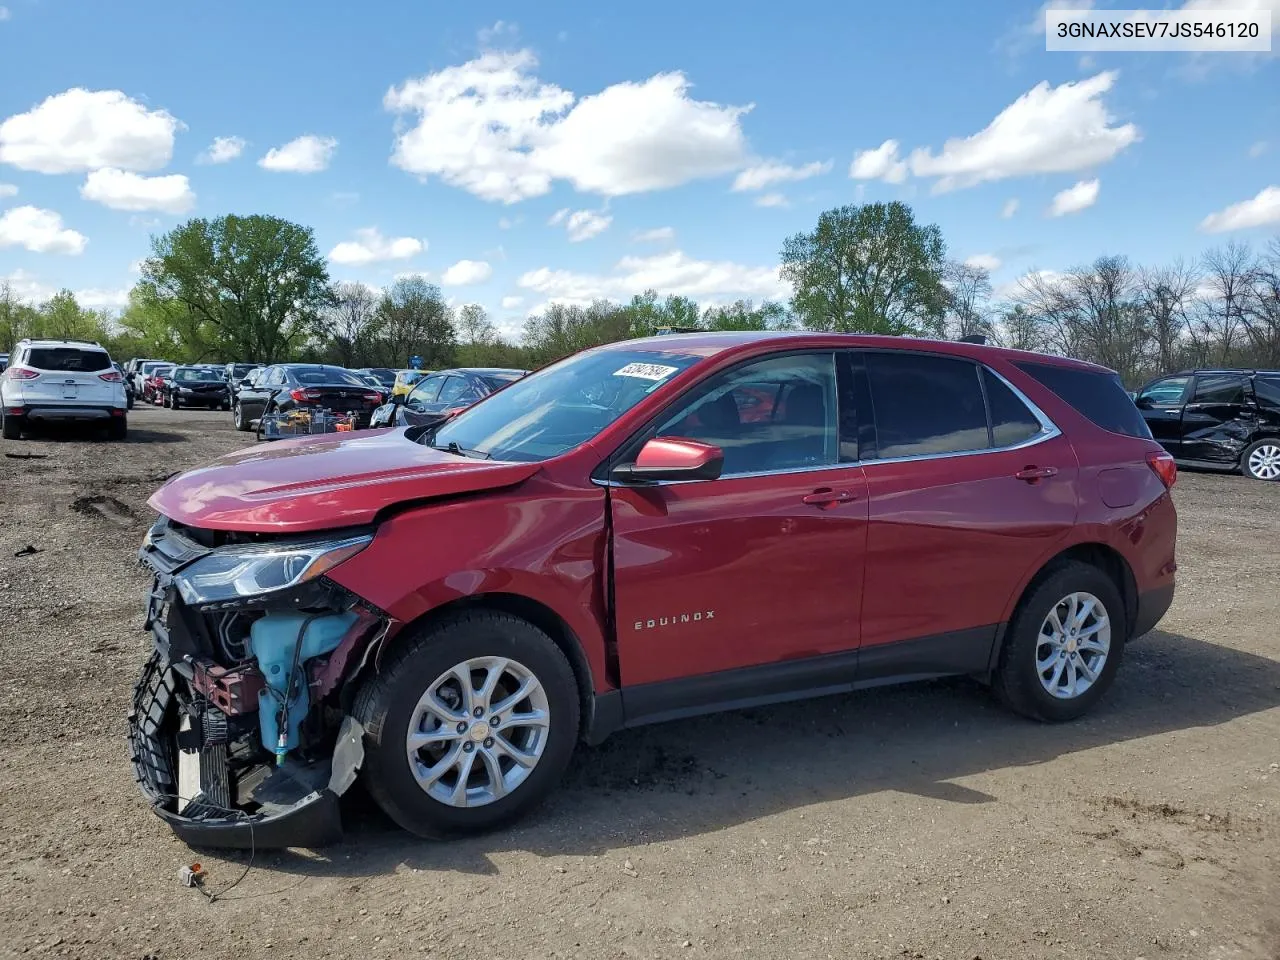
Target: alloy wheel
1074,643
1264,462
478,731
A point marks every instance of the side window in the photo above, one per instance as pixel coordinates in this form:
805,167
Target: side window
456,389
799,392
1011,422
926,404
1163,393
276,377
425,391
1267,391
1228,388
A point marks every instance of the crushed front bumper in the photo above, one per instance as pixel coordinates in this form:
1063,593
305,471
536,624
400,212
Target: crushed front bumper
295,806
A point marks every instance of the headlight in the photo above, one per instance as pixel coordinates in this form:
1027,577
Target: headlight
235,573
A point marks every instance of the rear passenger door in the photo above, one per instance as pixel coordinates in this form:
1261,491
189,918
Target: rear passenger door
969,487
1161,406
253,399
1213,427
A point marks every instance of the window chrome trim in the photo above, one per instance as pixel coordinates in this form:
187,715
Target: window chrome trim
1048,430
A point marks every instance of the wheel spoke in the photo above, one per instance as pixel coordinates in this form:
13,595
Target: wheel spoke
525,758
1053,622
1093,646
462,674
433,704
535,718
1082,614
438,769
528,686
1085,670
418,739
494,770
485,693
459,795
1056,679
1045,663
1090,630
1071,677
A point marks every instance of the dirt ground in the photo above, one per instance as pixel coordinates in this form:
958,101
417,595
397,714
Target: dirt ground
908,822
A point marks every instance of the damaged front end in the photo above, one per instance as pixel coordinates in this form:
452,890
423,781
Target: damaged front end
240,731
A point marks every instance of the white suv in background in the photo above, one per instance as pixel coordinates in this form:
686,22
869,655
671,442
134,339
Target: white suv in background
61,380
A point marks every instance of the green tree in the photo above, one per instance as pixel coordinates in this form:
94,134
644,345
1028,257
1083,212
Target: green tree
868,269
62,318
17,319
745,315
414,320
259,282
156,326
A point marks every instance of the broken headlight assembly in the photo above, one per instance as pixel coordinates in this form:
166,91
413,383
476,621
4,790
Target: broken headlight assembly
232,574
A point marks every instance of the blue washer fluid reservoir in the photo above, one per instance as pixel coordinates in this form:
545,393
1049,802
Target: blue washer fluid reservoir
272,639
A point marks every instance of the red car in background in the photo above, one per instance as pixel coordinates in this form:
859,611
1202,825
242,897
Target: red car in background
153,385
644,531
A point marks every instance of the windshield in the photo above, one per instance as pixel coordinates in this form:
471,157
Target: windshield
196,375
162,371
327,375
151,365
496,381
383,375
561,406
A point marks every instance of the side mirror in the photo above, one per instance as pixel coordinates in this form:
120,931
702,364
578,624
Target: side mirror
1142,403
397,399
671,458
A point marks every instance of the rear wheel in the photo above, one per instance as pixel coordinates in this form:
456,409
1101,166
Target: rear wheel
173,402
1261,460
237,417
1063,645
118,429
471,723
12,427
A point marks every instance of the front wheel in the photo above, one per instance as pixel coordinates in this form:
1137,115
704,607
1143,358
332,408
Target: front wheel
471,723
1261,461
237,417
173,403
12,427
1063,645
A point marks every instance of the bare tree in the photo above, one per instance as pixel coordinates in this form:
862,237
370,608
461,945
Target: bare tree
1261,315
1229,276
1166,295
1019,329
352,321
968,301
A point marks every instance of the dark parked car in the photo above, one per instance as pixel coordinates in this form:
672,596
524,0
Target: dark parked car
1217,418
196,387
443,613
384,375
291,386
442,393
128,385
233,373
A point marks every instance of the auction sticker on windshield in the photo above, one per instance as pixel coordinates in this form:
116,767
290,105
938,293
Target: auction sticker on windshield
646,371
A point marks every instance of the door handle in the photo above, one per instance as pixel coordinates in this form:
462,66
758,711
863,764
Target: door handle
1032,474
826,497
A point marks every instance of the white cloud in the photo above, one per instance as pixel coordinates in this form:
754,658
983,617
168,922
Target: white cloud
581,224
40,231
506,223
4,13
370,246
94,298
1075,198
672,272
122,190
1009,209
223,150
1258,149
1046,130
466,272
1262,210
500,29
1030,34
1013,288
882,163
772,200
489,126
512,303
983,261
31,289
307,154
8,190
82,129
656,235
768,172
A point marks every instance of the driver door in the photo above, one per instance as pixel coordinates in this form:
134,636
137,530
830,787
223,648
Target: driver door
763,565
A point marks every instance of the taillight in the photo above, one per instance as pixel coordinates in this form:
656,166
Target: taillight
1164,467
304,396
373,397
111,376
21,373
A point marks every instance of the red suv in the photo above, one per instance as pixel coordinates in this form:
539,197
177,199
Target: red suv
643,531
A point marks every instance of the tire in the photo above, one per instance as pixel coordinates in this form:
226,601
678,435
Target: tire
237,417
223,407
1018,682
118,429
173,403
390,701
1261,460
129,402
12,427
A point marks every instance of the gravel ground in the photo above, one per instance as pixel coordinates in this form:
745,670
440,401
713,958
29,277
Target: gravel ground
910,822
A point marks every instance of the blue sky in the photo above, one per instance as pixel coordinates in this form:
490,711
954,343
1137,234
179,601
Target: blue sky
517,153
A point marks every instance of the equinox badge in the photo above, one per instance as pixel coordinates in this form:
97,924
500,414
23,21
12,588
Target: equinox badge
674,619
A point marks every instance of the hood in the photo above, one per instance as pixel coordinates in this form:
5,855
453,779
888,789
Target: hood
322,482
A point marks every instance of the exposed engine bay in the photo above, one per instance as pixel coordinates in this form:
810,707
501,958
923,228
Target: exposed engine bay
240,731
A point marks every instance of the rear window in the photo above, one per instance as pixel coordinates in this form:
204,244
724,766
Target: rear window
68,359
1097,395
327,375
926,405
1267,392
496,381
196,375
